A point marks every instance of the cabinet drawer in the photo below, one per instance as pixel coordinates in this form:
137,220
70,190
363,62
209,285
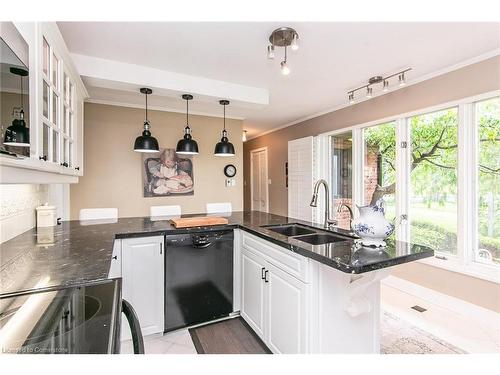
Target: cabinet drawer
294,264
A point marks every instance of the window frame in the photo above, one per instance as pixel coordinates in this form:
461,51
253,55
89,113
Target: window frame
467,181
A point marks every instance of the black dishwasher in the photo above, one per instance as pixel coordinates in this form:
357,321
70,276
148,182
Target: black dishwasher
198,277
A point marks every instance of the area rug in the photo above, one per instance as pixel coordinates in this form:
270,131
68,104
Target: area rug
400,337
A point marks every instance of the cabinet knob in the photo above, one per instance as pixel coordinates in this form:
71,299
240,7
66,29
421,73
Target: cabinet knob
77,168
44,157
64,164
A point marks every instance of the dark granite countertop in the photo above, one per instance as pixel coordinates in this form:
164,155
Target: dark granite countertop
81,251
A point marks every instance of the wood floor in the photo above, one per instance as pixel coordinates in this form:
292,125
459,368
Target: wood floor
232,336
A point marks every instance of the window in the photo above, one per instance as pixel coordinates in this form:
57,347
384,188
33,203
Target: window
433,180
438,173
341,176
487,247
379,166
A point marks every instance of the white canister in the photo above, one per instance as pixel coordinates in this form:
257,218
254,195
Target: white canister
46,216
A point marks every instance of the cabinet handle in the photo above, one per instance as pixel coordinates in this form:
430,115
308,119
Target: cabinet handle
77,168
64,164
265,276
161,248
262,273
115,257
44,157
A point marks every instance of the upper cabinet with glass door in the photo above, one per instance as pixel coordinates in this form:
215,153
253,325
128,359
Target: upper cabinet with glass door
54,105
60,143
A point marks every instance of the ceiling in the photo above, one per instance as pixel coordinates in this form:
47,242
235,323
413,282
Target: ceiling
333,57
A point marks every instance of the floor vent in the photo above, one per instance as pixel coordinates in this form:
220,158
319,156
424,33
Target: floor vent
418,308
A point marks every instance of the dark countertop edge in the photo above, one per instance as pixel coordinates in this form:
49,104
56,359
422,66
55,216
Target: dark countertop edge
298,250
163,232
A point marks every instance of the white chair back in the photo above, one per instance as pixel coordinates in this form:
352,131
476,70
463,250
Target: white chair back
98,213
174,210
214,208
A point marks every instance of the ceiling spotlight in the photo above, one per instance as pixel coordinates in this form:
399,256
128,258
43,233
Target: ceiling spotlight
285,70
283,37
402,80
270,52
386,86
295,42
351,98
368,92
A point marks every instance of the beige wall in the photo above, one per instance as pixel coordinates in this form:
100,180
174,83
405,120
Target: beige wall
468,81
112,174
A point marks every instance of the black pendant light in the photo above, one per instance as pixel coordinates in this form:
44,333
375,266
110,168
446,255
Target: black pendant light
145,142
187,145
224,147
18,134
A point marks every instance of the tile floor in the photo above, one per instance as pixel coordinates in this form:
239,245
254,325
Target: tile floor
178,342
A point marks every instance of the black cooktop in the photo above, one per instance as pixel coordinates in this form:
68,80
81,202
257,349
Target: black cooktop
70,320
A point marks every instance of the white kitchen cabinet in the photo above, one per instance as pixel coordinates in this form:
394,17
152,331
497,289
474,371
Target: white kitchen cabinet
297,305
252,293
273,303
57,94
143,280
286,331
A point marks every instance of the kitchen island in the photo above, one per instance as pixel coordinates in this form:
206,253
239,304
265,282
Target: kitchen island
299,297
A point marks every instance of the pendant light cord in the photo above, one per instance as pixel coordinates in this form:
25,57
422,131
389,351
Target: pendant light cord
147,108
187,112
224,117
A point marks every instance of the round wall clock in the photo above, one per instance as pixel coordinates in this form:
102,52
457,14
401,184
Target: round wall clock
230,170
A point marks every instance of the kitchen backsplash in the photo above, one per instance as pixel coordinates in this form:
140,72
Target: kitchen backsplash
17,208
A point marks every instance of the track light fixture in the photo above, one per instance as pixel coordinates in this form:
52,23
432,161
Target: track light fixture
283,37
402,80
369,92
386,86
376,80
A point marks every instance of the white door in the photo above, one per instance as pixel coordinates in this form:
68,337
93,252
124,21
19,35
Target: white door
142,277
286,330
300,178
259,180
252,291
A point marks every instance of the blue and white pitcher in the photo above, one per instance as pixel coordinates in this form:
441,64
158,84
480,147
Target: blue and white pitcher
371,225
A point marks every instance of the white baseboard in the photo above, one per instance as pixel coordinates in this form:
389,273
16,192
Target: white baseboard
443,300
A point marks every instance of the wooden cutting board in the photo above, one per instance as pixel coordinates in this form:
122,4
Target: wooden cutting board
198,221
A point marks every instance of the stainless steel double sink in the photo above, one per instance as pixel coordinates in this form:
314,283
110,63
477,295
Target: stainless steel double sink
306,234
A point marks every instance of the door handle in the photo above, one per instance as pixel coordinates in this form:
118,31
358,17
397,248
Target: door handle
262,276
265,276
